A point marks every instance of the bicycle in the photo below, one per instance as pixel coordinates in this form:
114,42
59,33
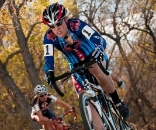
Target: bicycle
94,95
59,120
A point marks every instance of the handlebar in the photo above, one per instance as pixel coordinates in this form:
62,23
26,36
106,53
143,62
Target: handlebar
68,112
78,69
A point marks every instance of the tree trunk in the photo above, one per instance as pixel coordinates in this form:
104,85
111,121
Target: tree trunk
22,42
16,95
1,3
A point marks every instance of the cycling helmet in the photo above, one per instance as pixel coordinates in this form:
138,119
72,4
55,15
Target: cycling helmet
53,14
40,89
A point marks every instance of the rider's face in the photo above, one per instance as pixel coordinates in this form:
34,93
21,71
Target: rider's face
60,31
43,97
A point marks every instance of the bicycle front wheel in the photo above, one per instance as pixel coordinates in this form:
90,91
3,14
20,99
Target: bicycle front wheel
89,114
124,125
120,123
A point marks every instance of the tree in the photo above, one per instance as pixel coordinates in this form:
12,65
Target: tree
1,3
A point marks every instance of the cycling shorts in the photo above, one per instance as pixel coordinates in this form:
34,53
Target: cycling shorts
47,113
77,78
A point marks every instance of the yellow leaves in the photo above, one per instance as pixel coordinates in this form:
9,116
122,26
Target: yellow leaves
71,5
147,45
4,17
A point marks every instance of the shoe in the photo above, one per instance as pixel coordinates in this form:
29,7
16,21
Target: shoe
123,110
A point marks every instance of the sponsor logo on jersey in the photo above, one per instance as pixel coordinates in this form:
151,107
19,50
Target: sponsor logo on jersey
76,44
74,25
51,36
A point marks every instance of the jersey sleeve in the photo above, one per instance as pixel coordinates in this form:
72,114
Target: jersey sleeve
53,98
81,28
49,41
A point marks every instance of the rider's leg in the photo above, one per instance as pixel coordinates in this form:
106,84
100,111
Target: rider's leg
118,80
105,81
45,124
59,126
107,84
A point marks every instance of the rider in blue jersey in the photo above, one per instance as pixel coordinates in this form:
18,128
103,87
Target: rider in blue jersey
79,43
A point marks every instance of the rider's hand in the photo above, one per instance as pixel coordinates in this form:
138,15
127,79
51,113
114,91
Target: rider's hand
73,109
97,54
49,77
36,107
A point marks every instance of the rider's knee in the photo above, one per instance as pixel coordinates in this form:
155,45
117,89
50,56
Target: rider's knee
59,127
47,126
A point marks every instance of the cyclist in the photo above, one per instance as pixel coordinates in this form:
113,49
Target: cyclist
40,110
79,43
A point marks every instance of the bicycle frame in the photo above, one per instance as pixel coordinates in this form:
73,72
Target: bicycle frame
59,120
91,90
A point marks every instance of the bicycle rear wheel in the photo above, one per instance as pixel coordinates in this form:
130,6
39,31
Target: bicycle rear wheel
90,116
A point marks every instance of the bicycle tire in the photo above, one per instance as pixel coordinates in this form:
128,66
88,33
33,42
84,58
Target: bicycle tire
58,90
88,123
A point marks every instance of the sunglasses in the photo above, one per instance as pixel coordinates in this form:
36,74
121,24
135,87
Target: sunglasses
43,95
57,24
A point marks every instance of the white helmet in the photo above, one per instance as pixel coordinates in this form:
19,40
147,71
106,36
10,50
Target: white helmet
40,89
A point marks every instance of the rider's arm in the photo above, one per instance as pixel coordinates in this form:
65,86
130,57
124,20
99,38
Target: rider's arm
83,29
64,104
36,113
49,41
60,102
40,117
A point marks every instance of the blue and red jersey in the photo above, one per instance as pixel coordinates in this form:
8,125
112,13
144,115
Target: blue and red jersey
85,38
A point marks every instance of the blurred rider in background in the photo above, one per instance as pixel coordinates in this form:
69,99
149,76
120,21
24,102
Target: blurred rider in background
40,108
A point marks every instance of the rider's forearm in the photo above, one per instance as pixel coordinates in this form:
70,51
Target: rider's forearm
41,117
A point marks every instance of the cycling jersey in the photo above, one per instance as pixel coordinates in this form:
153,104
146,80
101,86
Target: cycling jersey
85,38
44,107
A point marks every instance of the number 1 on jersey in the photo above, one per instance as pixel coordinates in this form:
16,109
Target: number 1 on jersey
48,50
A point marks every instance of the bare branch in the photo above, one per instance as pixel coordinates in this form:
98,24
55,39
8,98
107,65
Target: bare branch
94,25
98,8
134,50
21,5
1,3
31,29
149,123
12,55
146,49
